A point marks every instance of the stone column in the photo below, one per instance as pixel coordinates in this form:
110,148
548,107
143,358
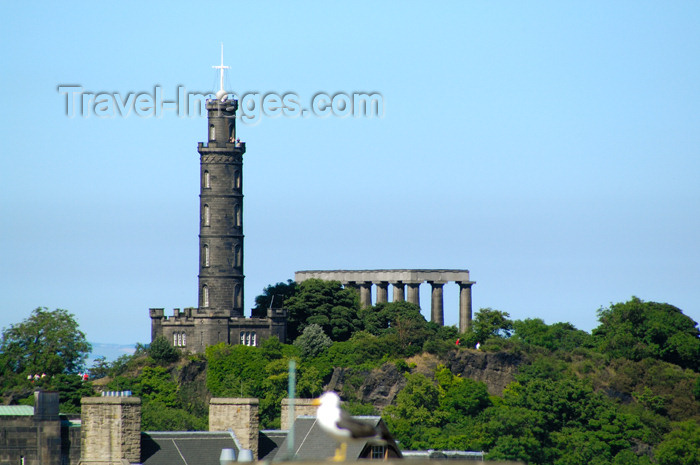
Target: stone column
398,291
382,292
414,293
436,310
366,294
465,305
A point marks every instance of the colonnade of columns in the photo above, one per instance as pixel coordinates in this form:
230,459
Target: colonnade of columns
405,287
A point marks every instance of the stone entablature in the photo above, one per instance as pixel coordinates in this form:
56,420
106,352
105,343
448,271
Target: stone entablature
400,275
400,279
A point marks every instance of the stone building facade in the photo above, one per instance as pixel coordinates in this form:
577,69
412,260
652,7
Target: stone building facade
219,315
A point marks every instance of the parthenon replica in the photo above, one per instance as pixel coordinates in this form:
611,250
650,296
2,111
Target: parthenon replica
399,280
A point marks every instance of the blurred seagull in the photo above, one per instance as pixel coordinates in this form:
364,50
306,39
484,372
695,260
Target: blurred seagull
338,424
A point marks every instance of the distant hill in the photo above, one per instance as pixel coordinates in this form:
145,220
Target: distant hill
110,352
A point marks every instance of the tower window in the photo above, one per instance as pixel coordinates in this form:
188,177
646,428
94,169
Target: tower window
174,339
212,132
205,181
237,295
237,255
237,210
205,253
205,215
205,296
237,180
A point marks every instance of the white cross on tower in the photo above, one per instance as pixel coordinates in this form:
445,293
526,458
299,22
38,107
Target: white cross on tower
221,93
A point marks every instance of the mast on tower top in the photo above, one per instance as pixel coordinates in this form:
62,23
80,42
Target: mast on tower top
221,93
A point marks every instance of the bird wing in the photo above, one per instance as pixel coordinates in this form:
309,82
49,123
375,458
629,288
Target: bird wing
357,429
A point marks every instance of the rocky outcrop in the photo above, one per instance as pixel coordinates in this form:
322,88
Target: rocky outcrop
377,387
380,386
496,369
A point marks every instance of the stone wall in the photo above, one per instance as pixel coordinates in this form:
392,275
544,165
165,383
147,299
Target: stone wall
111,430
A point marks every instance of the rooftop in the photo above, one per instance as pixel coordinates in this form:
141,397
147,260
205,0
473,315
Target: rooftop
16,410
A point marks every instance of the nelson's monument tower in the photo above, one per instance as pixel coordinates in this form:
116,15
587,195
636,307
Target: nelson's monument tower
219,314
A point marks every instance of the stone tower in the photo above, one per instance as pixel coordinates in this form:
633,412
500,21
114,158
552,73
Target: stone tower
221,214
219,316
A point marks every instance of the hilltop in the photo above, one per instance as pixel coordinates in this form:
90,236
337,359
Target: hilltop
628,393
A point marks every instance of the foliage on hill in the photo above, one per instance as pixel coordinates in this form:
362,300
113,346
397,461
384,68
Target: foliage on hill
636,330
629,393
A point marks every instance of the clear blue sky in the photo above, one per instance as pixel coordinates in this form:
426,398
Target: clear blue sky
551,148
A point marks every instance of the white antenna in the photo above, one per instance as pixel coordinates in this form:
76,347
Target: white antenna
221,93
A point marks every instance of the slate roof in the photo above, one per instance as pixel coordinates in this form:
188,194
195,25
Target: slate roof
185,448
312,443
269,442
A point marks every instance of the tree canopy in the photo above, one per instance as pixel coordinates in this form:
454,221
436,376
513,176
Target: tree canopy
48,342
274,294
325,303
558,336
636,330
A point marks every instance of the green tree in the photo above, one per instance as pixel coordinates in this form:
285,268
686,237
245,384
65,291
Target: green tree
362,348
46,342
558,336
273,295
400,324
681,446
415,418
161,351
71,388
489,323
313,341
636,330
460,398
327,304
437,414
